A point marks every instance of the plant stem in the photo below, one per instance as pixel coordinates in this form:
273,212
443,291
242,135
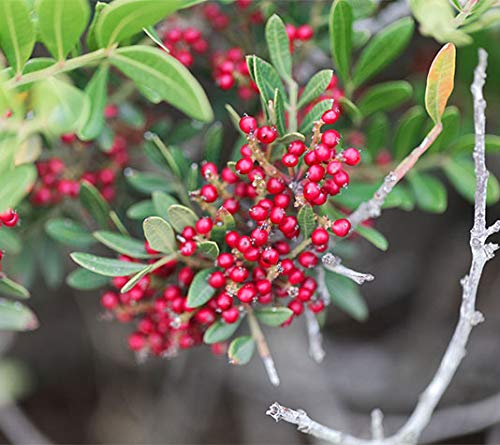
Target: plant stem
293,91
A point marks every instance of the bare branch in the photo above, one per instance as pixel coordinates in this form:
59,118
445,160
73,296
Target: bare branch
469,316
377,424
333,263
316,350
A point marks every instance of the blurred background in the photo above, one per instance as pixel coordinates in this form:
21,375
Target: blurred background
77,382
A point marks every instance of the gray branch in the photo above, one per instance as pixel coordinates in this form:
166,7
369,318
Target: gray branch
482,251
333,263
316,350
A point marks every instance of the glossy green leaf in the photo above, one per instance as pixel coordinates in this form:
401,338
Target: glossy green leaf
450,132
83,279
109,267
430,194
384,97
17,32
15,316
241,350
136,278
124,18
147,182
383,49
315,87
169,78
91,39
465,144
273,316
306,219
11,288
373,236
209,249
315,115
279,112
408,131
345,294
92,200
162,202
122,244
180,217
141,210
68,232
377,133
213,142
96,92
340,26
200,291
61,23
460,172
160,235
15,185
266,77
220,331
279,46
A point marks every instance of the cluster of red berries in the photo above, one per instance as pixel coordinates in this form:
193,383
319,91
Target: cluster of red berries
220,21
183,42
256,265
230,69
302,33
57,181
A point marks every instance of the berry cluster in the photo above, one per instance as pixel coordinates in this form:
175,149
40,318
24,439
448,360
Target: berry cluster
219,21
183,42
257,203
230,69
57,181
302,33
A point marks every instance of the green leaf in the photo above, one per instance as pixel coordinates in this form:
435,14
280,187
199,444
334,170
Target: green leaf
209,249
224,222
345,294
15,316
160,235
440,82
92,200
122,244
384,97
68,232
373,236
340,26
141,210
11,288
266,77
279,46
306,219
61,23
408,131
17,32
15,185
108,267
460,172
450,132
241,350
377,133
83,279
273,316
168,77
147,182
429,192
213,142
136,278
96,91
315,115
180,217
465,144
383,49
161,204
131,116
220,331
61,107
124,18
91,40
10,242
279,112
316,85
200,291
50,262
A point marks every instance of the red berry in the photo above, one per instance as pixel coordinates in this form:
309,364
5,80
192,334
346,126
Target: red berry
109,300
291,31
266,134
330,138
308,259
191,34
282,200
331,116
297,148
209,193
232,205
248,124
289,160
231,315
208,170
316,306
136,341
311,191
188,248
316,173
296,276
188,232
229,176
304,294
259,237
323,152
205,316
247,293
341,227
305,32
244,243
263,286
258,213
351,156
319,236
270,256
232,238
333,167
225,260
277,214
244,166
288,224
275,185
204,225
225,81
224,301
217,279
238,274
296,306
311,158
320,199
341,178
252,254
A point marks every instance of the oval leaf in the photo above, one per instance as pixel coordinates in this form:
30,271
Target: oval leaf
440,81
68,232
220,331
11,288
430,193
273,316
15,316
180,217
340,26
306,219
83,279
316,85
15,185
108,267
200,291
279,46
122,244
160,235
384,97
93,201
241,350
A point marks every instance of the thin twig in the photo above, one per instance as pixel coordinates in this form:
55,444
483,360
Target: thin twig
316,351
333,263
482,251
